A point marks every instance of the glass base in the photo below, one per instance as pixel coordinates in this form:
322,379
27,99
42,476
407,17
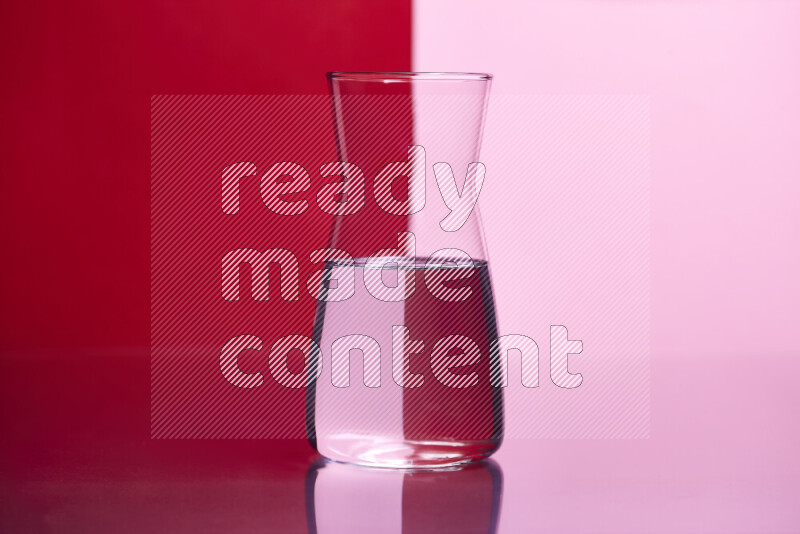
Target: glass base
407,454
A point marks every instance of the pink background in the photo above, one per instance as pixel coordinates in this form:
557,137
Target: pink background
725,172
723,82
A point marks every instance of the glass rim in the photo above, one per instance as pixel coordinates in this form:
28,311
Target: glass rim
408,76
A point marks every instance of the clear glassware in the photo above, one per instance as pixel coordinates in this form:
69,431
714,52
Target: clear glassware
406,325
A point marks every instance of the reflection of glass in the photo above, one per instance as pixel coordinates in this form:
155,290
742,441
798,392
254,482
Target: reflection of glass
347,498
414,389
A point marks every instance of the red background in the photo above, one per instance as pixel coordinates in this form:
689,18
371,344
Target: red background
75,368
77,82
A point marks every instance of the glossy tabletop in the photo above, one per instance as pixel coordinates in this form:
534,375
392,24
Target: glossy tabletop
77,457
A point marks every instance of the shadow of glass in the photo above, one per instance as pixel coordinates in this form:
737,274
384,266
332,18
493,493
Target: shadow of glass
345,498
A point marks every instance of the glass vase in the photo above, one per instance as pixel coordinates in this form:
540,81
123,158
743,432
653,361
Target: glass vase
406,317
